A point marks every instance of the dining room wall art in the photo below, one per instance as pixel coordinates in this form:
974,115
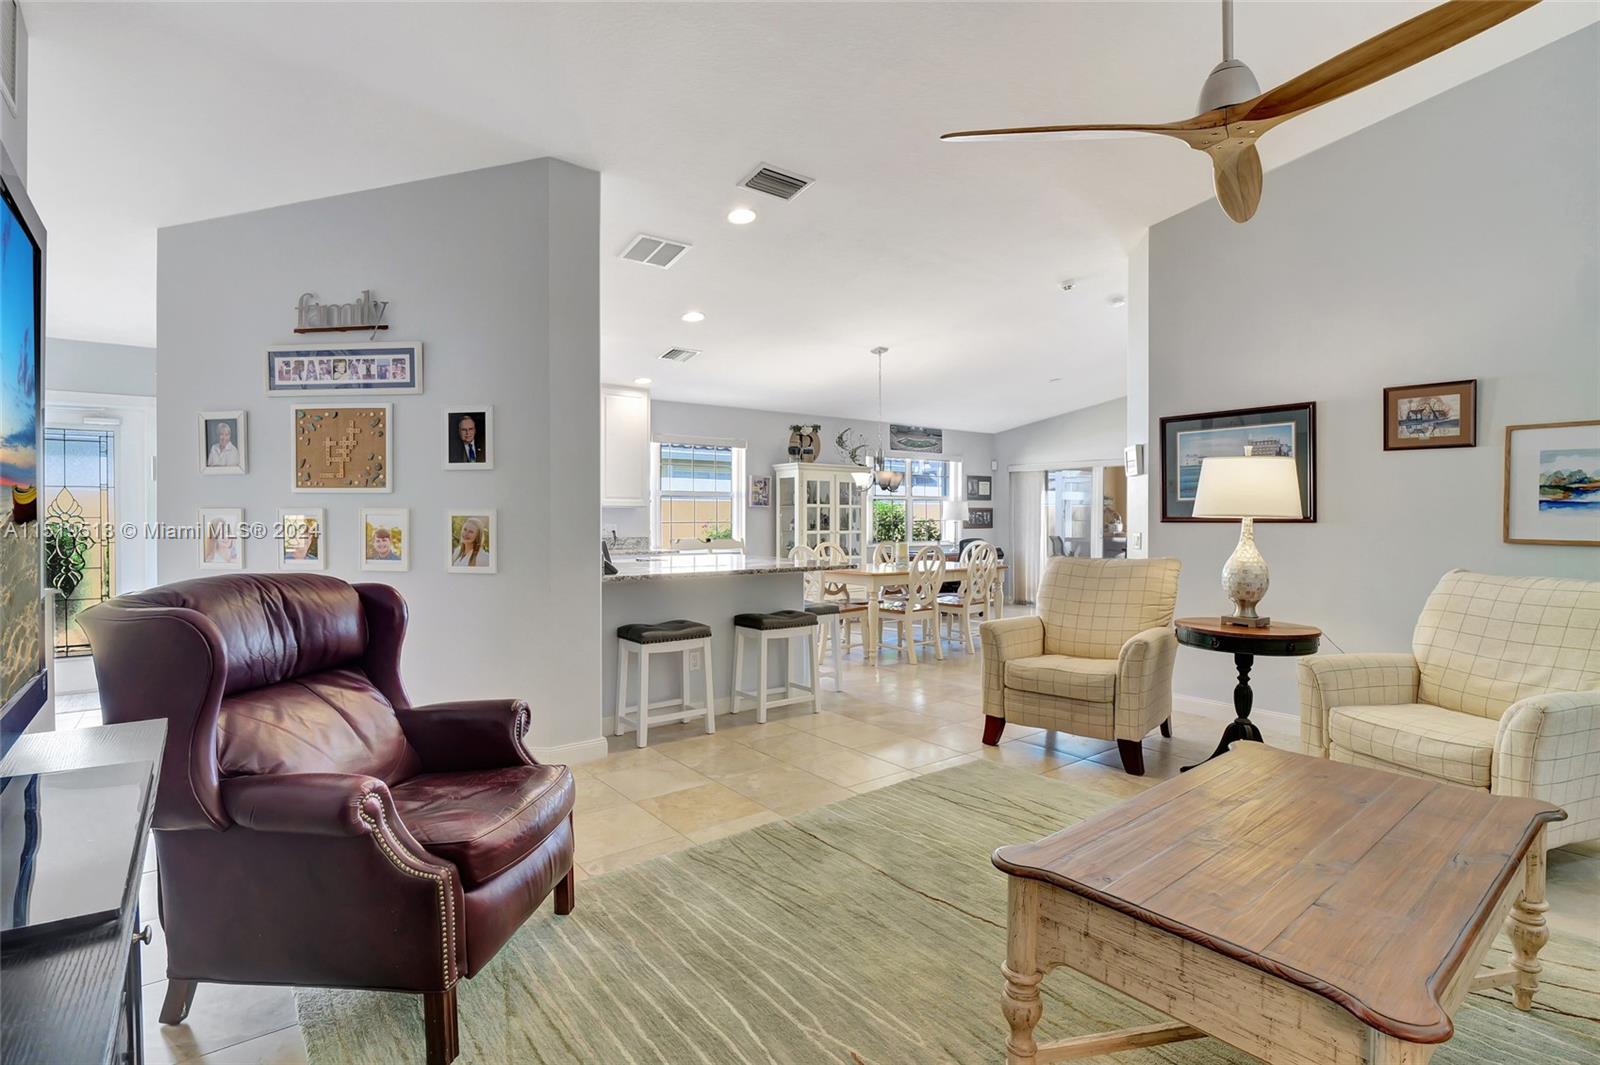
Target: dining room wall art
343,448
979,489
761,491
1429,417
1187,440
1551,492
919,439
392,367
980,518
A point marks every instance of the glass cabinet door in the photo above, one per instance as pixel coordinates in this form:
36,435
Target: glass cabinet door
788,492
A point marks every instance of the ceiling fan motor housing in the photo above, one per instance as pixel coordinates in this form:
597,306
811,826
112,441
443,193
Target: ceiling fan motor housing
1229,83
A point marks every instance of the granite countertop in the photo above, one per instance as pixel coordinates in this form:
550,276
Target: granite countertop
682,566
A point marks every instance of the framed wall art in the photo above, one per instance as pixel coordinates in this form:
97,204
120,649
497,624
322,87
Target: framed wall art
322,370
471,538
302,543
1425,417
221,538
469,437
1187,440
918,439
979,489
761,490
222,442
980,517
1552,484
343,448
386,539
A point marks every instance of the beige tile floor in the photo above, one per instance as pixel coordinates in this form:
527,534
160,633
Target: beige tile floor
889,725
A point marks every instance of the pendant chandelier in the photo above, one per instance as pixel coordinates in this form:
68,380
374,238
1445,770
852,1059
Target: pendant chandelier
886,479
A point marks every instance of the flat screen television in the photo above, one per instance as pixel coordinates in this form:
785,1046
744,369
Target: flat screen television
23,645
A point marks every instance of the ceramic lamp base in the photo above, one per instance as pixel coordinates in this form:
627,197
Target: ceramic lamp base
1247,623
1244,580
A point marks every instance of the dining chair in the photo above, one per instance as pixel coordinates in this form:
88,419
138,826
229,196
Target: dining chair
921,604
887,553
971,601
834,617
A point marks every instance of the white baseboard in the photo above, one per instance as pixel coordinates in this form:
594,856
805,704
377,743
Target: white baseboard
1195,702
572,753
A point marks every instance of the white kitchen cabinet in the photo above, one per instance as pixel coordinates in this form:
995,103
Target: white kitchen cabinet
624,447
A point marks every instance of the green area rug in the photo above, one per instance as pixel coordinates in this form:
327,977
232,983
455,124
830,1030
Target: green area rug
868,932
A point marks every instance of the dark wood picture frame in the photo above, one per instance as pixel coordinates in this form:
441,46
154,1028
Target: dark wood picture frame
1303,414
1467,417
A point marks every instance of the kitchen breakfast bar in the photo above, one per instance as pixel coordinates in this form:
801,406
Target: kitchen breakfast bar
696,586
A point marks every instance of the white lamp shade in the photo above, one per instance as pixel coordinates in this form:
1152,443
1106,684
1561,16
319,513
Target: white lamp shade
954,510
1248,486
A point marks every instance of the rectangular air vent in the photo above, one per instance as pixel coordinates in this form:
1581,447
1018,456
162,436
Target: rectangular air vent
10,29
679,354
775,182
654,251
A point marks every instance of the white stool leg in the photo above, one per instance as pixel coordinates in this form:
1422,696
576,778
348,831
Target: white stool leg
622,686
738,669
705,685
683,673
833,638
813,645
644,695
761,676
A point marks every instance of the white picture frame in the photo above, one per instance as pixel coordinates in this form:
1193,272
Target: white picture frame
380,523
221,545
307,527
212,422
452,416
380,355
388,448
485,516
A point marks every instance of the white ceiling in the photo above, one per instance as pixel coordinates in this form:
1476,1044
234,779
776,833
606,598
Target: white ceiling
145,115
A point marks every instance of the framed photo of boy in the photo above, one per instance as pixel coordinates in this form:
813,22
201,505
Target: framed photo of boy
221,538
386,539
301,540
222,442
469,437
470,537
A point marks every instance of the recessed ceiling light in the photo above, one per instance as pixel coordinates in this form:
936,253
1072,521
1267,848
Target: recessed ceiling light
641,380
1118,301
694,316
741,216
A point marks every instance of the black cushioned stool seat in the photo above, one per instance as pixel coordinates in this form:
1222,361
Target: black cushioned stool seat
778,619
664,631
822,610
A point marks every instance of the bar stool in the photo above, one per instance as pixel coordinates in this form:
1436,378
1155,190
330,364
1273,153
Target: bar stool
788,627
831,628
646,639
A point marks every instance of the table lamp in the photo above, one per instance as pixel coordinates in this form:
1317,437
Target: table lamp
957,511
1247,487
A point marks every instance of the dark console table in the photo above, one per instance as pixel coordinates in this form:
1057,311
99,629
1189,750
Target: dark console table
75,997
1280,638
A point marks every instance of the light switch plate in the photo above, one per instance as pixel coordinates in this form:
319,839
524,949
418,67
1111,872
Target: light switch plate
1137,541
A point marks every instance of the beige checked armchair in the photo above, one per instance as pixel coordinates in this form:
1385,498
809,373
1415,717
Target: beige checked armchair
1501,691
1095,661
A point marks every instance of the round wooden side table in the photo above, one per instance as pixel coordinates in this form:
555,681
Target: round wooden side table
1280,639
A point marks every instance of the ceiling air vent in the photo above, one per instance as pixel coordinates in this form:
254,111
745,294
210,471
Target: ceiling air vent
679,354
654,251
776,182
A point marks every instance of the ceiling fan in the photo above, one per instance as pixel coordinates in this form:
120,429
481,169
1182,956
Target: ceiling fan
1234,112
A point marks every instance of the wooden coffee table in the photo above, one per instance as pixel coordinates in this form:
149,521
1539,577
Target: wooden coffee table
1304,911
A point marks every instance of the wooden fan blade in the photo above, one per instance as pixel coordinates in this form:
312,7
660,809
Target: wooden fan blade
1197,131
1237,176
1374,59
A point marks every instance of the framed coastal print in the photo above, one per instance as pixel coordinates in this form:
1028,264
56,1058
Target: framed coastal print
221,538
1187,440
470,536
343,448
1424,417
301,543
761,491
1552,484
222,442
980,517
386,539
979,489
469,437
369,369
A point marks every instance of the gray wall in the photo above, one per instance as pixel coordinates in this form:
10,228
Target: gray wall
1454,240
496,272
85,366
766,434
1093,435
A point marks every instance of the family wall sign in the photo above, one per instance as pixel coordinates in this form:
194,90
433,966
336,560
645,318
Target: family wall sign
364,312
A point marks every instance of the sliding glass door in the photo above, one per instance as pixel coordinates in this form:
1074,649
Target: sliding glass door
1084,512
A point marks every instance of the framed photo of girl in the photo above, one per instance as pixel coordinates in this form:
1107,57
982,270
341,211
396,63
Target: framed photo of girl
222,442
386,539
469,437
470,537
221,538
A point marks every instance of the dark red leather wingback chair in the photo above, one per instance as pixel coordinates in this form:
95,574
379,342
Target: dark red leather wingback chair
312,826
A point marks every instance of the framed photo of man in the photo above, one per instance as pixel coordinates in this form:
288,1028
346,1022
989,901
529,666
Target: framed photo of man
469,437
386,539
222,442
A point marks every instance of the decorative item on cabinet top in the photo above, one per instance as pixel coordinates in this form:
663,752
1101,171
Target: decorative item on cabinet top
371,369
804,442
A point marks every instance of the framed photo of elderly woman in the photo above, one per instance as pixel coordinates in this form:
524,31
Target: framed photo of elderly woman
222,442
471,539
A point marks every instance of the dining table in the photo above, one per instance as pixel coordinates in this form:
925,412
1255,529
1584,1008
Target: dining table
878,576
